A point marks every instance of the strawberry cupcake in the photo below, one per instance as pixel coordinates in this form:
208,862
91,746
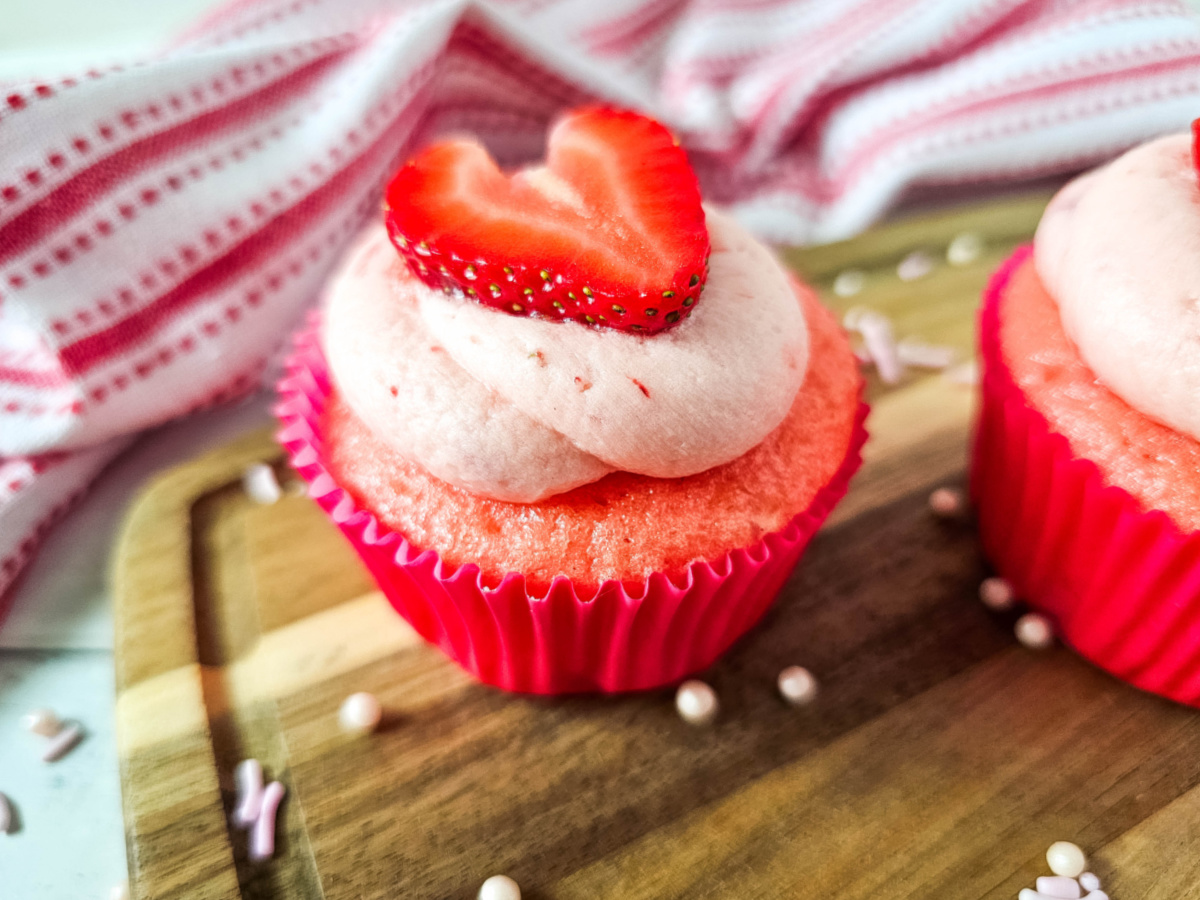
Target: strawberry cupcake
1086,470
578,426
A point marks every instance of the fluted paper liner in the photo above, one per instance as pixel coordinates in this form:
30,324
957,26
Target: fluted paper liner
612,639
1121,583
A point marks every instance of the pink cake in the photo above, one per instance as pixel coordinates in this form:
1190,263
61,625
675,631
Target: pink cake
1086,467
563,507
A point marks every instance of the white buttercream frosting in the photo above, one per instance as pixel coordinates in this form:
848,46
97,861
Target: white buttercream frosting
523,408
1119,250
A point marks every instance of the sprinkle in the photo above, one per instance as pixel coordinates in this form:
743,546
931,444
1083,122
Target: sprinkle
849,283
260,484
42,721
965,248
1034,631
1089,881
62,744
1065,858
7,819
262,836
914,352
876,331
916,265
997,594
965,374
946,503
696,702
249,777
499,887
797,685
360,713
1059,887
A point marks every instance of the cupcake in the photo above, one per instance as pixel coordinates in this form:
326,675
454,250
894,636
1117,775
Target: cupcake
1086,459
578,426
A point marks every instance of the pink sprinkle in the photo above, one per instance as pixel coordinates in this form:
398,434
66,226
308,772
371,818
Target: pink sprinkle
262,837
250,792
946,503
876,331
63,742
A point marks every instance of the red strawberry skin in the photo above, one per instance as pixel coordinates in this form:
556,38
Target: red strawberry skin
609,233
1196,145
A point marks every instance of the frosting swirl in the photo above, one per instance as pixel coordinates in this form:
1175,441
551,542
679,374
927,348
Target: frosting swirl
1119,250
520,409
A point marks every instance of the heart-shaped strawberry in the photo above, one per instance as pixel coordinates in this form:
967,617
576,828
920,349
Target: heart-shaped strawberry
609,232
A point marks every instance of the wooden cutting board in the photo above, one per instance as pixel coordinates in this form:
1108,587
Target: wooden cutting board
940,760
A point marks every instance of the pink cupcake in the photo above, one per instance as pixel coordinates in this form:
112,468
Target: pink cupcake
1086,471
602,502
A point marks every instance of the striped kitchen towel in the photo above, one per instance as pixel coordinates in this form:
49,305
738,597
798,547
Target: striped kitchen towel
164,223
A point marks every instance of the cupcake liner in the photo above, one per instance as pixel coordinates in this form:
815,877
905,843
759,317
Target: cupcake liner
618,637
1121,582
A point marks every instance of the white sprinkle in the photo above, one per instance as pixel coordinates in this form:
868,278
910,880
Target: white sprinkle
42,721
916,265
964,374
849,283
1064,857
1034,631
1059,887
120,891
260,484
1089,881
360,713
797,685
696,702
249,777
863,357
63,742
946,503
913,352
500,887
6,815
876,331
965,248
1096,895
997,594
262,835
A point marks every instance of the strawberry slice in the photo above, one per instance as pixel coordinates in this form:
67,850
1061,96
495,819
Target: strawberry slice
609,232
1196,145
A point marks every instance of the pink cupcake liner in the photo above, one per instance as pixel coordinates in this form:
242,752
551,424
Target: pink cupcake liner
1122,583
616,638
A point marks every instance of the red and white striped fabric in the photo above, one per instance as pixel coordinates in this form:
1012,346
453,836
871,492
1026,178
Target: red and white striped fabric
163,224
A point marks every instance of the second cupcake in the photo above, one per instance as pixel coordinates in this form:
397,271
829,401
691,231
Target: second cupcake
1086,470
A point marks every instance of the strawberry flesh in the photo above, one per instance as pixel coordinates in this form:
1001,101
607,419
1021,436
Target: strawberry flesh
610,232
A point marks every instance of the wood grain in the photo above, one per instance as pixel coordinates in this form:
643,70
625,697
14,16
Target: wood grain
940,759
